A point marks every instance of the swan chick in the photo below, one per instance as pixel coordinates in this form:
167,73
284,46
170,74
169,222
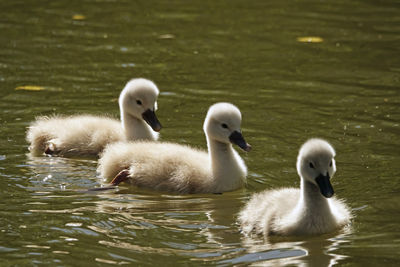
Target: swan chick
179,168
86,135
312,209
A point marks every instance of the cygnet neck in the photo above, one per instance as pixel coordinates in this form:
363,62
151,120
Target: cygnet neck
312,201
134,128
224,166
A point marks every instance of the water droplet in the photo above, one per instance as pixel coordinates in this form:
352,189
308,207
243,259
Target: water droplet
73,224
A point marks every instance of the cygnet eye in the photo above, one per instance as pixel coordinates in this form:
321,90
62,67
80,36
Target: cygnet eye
138,102
311,165
330,164
223,125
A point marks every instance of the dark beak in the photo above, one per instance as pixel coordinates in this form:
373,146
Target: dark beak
150,117
237,139
325,186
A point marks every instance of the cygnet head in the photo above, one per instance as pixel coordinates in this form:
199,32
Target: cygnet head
316,164
222,124
139,99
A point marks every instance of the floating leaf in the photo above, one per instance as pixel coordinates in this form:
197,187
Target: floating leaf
166,36
30,88
38,88
310,39
78,17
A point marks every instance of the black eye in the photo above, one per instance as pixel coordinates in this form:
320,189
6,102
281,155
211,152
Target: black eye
224,126
311,165
330,164
138,102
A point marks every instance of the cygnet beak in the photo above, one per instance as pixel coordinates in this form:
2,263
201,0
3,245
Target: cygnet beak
237,139
150,117
324,185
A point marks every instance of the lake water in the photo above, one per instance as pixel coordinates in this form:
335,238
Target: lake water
296,69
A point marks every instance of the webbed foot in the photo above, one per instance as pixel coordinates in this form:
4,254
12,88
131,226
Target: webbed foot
122,176
50,149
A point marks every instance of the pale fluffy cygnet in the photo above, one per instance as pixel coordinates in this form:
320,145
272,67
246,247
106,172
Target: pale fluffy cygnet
88,135
180,168
308,210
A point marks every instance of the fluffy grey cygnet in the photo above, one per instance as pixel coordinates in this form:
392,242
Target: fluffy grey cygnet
308,210
180,168
86,135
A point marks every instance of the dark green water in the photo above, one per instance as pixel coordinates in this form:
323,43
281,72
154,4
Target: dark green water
344,89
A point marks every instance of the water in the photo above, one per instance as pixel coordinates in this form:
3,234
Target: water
81,53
